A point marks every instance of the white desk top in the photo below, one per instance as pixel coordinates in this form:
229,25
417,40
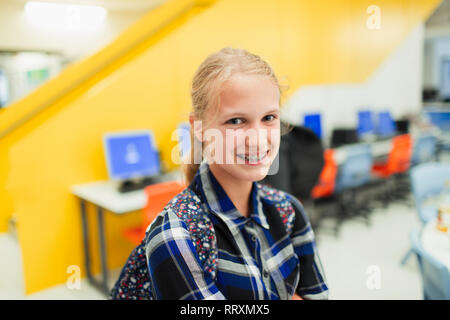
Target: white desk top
105,194
379,148
436,243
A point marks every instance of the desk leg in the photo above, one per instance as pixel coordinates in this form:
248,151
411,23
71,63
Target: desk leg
102,242
87,257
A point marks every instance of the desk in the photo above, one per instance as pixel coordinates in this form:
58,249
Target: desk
436,243
379,149
104,195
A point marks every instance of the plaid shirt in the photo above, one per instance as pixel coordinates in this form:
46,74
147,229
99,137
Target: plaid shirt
269,255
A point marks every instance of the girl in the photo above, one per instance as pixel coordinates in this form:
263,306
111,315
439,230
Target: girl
226,236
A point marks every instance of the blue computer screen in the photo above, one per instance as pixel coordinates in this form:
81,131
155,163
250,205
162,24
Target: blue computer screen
386,126
439,118
184,139
365,123
131,155
3,89
313,122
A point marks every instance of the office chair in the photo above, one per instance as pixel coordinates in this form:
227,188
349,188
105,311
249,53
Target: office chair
395,168
327,179
354,173
158,195
322,194
427,180
424,149
435,275
399,158
323,191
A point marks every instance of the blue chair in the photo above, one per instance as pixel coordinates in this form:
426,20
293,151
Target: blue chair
356,169
427,180
435,275
353,173
424,149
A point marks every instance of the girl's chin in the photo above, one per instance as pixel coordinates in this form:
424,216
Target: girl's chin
251,173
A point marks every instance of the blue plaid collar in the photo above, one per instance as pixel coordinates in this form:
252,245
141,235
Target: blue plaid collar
220,204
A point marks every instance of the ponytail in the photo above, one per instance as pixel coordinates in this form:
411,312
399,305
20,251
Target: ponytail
191,164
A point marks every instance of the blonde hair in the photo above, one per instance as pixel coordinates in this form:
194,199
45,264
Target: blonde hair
216,69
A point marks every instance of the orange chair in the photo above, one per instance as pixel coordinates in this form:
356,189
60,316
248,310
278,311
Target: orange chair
327,178
399,159
158,195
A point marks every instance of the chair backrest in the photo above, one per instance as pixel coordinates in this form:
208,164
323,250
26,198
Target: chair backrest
428,179
399,159
435,275
327,178
424,149
356,169
158,195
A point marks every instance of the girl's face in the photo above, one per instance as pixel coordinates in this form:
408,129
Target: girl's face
243,136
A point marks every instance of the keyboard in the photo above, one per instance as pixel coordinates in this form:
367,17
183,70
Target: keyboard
129,185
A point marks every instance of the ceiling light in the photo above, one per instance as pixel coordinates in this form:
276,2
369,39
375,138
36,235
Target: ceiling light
65,16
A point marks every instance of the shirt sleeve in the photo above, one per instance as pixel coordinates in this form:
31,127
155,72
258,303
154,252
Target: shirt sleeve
175,270
313,283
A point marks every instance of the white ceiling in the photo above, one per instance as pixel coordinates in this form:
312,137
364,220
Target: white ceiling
438,24
441,16
112,5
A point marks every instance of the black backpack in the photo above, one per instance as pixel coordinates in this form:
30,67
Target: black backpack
300,163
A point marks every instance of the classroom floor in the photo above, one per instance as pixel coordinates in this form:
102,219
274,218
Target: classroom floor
362,263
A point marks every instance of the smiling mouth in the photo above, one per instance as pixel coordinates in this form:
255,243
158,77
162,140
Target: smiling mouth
253,159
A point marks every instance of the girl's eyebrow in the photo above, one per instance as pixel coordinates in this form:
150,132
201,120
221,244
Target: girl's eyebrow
234,114
273,111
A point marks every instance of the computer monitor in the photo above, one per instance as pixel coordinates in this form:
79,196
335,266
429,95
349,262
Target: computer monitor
365,123
444,91
439,118
313,122
386,125
184,139
3,89
402,126
343,136
131,155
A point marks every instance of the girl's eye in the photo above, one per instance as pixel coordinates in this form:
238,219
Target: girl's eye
269,117
235,121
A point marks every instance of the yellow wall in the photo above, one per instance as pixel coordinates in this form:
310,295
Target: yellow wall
307,42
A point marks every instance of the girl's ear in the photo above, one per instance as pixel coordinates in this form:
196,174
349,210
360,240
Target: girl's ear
196,126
